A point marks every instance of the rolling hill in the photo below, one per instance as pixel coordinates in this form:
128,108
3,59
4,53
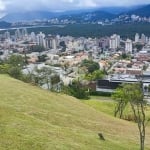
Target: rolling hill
35,119
74,15
4,24
29,16
89,16
142,11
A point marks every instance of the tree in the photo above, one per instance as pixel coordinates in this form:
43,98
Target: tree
4,68
97,74
16,61
77,90
43,76
15,72
119,97
133,94
136,99
90,65
55,79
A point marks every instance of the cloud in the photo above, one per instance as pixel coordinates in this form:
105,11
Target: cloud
2,5
55,5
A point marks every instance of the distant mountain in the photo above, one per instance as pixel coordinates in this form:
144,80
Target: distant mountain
4,24
82,15
142,11
89,16
119,10
28,16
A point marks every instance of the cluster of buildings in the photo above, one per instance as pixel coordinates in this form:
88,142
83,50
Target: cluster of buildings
67,53
21,36
115,42
125,18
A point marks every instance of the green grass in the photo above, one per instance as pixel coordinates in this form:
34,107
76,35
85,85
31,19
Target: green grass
107,105
35,119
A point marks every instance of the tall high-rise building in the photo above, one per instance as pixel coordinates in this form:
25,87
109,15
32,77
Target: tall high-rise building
41,39
18,34
24,32
137,38
7,35
143,38
103,43
51,42
114,41
33,37
128,46
149,41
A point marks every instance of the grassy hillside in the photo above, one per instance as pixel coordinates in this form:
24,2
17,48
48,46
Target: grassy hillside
34,119
107,105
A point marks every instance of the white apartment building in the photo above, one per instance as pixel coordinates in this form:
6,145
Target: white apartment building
114,41
128,46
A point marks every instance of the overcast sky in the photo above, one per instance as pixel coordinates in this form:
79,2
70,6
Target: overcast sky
60,5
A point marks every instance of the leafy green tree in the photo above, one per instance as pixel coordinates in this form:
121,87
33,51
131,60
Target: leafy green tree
15,72
43,76
4,68
133,94
119,97
90,65
97,74
46,76
77,90
55,79
16,61
136,100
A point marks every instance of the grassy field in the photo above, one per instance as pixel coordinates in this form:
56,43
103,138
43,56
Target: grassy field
101,104
107,105
34,119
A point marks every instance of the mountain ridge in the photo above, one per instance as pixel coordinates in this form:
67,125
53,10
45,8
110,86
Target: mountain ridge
142,11
101,13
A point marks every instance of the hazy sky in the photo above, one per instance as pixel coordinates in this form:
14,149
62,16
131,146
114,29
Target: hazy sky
59,5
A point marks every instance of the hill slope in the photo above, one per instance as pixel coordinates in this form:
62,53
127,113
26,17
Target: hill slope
143,11
31,118
89,16
29,16
4,24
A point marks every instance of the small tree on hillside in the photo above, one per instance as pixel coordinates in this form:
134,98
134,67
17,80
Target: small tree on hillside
16,61
43,77
136,99
77,90
133,95
119,97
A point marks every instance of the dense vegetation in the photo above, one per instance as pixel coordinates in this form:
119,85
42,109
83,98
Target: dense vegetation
94,30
